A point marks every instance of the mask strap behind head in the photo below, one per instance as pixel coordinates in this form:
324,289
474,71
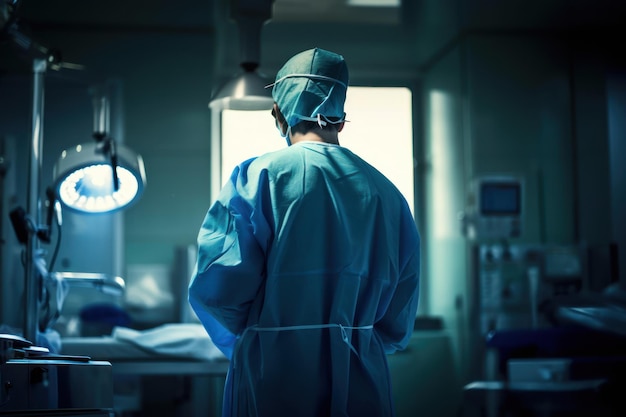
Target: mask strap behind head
322,120
321,123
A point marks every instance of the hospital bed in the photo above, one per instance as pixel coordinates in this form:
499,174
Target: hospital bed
423,375
174,363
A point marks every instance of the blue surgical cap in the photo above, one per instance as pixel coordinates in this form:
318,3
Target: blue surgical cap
312,86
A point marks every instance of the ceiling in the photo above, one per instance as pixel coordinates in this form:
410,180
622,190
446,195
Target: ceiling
421,27
33,17
191,14
199,14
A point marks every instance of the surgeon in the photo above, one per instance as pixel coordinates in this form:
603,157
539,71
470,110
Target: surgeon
308,263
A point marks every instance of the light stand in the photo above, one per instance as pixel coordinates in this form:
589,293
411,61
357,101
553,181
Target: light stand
31,278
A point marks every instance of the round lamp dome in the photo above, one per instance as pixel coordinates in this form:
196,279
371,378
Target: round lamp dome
84,180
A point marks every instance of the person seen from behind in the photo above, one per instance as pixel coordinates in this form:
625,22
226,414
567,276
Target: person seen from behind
308,263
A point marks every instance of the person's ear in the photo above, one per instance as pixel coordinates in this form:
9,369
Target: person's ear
280,119
342,124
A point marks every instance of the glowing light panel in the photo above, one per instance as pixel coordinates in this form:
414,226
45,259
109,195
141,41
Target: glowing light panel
90,189
380,130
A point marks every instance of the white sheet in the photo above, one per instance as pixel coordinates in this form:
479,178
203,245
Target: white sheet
181,340
177,341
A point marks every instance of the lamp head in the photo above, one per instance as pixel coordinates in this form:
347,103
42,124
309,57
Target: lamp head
84,180
245,91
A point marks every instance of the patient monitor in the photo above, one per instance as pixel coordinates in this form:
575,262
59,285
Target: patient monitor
494,208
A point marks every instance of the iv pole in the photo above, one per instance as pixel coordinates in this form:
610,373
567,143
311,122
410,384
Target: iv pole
32,281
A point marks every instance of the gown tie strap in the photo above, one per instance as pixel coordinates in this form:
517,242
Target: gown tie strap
344,330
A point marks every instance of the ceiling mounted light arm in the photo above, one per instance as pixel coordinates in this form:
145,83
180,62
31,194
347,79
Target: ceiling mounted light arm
101,112
250,16
83,173
113,154
107,147
246,90
101,128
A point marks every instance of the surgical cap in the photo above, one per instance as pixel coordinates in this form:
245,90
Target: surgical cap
312,86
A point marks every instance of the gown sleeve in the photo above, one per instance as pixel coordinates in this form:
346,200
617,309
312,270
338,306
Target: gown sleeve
230,267
396,325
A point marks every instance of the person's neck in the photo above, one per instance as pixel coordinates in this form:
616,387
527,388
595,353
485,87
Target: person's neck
331,138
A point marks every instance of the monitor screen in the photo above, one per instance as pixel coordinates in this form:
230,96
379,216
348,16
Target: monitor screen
500,198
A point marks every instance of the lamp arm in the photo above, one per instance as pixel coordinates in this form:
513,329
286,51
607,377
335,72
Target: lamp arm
113,156
106,145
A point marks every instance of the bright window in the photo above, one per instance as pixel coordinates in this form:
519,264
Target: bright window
374,3
379,130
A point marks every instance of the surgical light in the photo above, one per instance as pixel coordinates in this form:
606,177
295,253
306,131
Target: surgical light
84,179
246,90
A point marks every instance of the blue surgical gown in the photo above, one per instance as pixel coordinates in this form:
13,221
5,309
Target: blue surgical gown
307,276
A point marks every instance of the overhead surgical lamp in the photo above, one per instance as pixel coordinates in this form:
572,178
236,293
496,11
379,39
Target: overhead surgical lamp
85,180
100,176
246,90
